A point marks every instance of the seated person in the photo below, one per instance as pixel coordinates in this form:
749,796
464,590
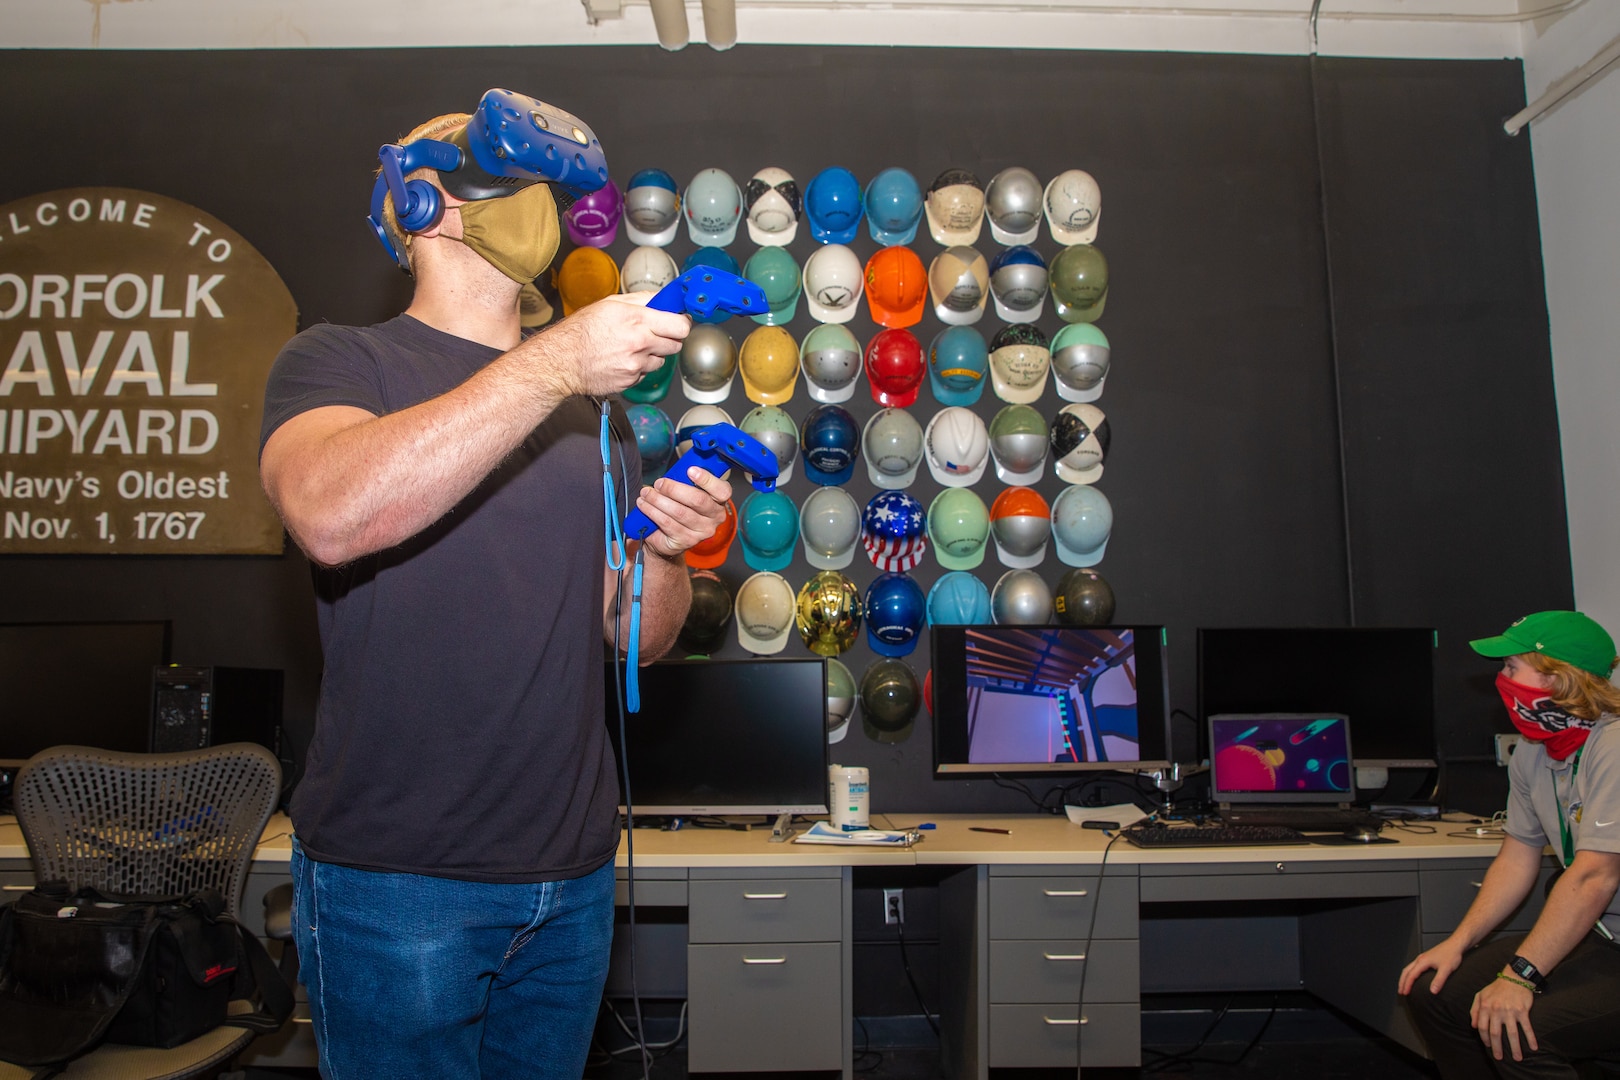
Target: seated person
1529,1005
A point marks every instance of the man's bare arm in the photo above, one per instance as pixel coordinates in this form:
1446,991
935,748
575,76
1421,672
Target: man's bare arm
347,483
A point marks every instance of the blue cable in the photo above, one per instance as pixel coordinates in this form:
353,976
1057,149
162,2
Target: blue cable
615,561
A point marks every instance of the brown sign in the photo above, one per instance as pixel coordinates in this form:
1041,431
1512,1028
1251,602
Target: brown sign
136,333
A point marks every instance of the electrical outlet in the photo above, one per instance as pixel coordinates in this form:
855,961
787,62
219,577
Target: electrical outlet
894,907
1505,745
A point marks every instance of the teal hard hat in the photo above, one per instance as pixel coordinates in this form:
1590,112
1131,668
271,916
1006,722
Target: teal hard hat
775,272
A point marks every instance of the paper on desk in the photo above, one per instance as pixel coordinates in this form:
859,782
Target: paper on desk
1124,813
822,833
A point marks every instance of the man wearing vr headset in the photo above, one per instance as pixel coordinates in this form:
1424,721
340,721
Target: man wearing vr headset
457,822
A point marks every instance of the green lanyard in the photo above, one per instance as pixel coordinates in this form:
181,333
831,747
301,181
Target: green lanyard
1563,819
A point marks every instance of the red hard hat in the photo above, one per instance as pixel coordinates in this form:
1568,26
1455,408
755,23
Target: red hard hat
895,367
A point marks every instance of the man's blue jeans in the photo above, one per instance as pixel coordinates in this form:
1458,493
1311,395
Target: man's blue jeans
411,976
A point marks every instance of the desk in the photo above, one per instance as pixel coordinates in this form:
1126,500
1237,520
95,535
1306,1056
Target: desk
769,935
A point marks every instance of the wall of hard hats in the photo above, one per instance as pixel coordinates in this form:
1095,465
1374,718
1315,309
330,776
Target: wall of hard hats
1301,377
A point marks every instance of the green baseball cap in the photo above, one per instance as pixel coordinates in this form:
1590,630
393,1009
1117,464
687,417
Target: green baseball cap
1563,635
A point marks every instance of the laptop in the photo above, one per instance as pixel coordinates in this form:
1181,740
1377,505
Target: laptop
1292,769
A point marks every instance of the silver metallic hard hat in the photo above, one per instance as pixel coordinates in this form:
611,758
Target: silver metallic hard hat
708,363
1021,598
829,525
1020,536
1019,289
1012,203
1080,361
892,444
831,360
1018,442
778,433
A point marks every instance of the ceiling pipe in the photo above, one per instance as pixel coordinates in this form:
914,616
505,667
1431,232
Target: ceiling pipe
720,23
669,21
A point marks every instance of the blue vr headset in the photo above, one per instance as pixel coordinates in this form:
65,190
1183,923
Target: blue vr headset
512,141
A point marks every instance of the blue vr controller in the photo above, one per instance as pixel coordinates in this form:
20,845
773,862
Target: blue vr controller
702,291
716,448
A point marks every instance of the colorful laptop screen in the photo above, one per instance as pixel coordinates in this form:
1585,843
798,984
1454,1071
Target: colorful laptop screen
1277,757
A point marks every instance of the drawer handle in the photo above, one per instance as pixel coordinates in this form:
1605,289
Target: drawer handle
1475,884
764,896
1065,892
764,959
16,888
1059,1022
1064,956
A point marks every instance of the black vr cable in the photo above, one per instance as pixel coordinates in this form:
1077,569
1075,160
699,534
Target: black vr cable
1085,964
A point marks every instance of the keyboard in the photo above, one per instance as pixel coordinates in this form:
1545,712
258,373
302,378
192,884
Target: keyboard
1208,836
1301,818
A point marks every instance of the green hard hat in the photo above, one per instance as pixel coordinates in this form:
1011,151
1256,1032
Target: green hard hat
1079,281
958,526
774,271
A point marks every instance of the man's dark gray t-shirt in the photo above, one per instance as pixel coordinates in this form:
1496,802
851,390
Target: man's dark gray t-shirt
460,727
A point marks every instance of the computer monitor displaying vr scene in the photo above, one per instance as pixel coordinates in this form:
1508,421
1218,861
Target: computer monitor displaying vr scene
725,737
77,683
1382,679
1280,758
1040,699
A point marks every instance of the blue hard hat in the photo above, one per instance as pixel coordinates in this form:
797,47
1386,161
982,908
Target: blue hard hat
655,439
832,205
829,441
957,361
894,207
768,526
959,599
895,614
894,530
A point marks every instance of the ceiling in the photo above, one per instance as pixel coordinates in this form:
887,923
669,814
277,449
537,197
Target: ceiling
1432,28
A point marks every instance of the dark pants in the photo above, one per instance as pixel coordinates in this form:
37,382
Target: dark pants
1576,1019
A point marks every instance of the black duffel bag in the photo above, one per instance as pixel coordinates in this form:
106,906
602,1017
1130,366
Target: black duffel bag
81,968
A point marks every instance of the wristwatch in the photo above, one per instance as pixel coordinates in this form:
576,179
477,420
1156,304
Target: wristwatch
1525,970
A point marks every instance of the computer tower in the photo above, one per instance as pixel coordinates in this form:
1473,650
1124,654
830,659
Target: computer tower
194,707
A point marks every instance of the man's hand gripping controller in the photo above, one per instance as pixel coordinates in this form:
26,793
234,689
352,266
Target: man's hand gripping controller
716,448
702,291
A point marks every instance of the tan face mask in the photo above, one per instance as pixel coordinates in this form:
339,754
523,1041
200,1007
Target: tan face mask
517,234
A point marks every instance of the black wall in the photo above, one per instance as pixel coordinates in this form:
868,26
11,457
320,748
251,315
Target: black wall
1317,420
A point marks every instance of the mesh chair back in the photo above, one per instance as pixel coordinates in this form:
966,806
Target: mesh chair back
147,824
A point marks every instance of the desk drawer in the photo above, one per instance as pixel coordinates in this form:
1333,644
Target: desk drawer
1030,972
1060,907
13,883
1283,881
770,1008
1043,1036
1447,893
770,909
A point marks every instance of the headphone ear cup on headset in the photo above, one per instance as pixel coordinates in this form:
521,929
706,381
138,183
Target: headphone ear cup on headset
425,206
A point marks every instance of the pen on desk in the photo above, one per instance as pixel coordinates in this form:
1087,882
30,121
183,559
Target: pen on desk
985,828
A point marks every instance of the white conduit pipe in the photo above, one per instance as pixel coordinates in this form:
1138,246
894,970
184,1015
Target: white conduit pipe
669,22
720,23
1563,88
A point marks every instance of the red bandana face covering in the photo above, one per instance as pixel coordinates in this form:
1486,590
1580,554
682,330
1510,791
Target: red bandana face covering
1537,718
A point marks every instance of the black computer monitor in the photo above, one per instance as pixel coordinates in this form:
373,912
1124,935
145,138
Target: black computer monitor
1382,679
78,683
725,737
1045,699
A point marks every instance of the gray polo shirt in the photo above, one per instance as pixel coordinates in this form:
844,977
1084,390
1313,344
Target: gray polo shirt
1588,797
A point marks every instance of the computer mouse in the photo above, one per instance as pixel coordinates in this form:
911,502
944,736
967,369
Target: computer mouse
1361,834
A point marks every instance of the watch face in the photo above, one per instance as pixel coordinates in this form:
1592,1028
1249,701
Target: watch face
1526,970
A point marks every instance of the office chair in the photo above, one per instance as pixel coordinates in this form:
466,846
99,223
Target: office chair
149,824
